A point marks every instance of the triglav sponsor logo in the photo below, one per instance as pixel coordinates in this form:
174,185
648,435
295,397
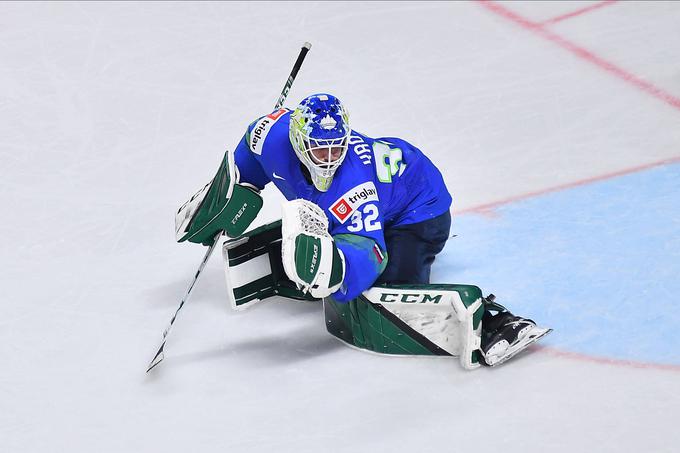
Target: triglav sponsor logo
341,210
363,195
257,132
262,128
352,199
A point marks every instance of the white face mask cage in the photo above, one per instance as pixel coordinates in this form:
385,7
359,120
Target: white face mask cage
327,154
321,157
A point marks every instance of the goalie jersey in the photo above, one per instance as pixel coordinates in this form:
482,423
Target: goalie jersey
382,183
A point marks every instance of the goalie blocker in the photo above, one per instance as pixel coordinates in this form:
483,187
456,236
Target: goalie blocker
439,320
221,205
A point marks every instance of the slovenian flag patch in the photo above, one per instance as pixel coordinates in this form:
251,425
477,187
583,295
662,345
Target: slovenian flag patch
378,254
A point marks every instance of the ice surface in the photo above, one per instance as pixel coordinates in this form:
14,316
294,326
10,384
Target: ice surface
113,114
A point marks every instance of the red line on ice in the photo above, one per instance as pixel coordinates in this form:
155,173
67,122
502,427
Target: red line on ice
582,53
622,74
578,12
606,361
485,208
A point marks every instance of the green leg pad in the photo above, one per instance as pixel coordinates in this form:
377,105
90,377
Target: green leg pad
264,244
380,320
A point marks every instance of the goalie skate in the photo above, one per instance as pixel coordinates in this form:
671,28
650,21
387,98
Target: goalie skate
514,336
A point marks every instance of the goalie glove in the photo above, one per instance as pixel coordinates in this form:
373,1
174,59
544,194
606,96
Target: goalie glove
310,257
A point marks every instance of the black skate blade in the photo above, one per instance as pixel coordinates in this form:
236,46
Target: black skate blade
532,337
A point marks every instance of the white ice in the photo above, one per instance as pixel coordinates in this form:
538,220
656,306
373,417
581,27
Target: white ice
113,114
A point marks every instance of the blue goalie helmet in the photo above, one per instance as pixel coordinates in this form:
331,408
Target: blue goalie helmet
319,132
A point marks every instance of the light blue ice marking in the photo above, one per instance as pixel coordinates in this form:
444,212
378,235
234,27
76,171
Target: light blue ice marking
598,263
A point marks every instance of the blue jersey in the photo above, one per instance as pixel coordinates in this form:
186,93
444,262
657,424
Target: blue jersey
382,182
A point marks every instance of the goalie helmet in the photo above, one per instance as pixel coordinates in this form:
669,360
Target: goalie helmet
319,132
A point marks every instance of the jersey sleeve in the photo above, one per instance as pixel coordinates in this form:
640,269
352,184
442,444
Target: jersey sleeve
249,167
362,242
364,262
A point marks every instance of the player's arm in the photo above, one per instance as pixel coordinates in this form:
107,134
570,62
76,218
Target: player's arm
249,168
229,202
361,240
364,262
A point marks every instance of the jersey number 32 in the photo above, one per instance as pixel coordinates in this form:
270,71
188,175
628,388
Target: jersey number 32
365,218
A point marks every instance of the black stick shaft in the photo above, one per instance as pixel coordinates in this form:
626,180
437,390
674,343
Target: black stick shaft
158,358
160,355
291,78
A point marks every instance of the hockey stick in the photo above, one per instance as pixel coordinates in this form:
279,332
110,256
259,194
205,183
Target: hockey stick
158,358
291,78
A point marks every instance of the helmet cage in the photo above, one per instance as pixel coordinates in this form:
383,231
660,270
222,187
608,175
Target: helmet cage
317,154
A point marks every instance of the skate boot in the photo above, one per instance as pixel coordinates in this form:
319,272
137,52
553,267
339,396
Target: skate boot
504,335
